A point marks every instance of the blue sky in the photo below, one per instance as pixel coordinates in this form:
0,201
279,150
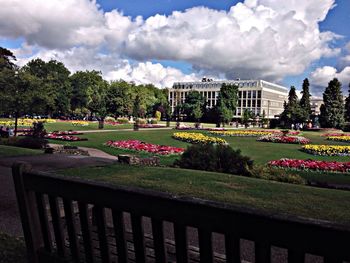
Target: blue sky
108,37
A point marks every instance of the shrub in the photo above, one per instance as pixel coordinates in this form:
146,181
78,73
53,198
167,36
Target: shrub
153,121
109,118
38,130
217,158
275,174
158,115
123,120
31,142
141,121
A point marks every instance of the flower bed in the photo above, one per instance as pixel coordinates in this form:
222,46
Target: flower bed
247,133
284,139
323,166
340,138
193,137
145,147
335,134
70,138
66,133
327,150
113,123
151,126
80,123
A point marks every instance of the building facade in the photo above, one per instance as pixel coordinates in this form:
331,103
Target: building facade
315,104
254,95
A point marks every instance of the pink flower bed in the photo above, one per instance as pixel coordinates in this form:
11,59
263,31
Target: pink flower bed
335,134
146,147
284,139
71,138
201,129
66,133
113,123
151,126
323,166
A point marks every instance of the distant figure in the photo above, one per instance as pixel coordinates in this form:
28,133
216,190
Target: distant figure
292,126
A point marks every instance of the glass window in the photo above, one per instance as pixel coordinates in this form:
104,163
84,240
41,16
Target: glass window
240,94
244,94
239,103
244,103
249,94
254,94
253,103
249,103
259,94
258,103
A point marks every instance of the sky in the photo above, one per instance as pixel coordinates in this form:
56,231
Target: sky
163,41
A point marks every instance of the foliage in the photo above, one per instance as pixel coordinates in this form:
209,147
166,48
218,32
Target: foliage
347,106
157,115
305,102
27,142
247,115
38,130
194,106
332,109
227,102
218,158
293,113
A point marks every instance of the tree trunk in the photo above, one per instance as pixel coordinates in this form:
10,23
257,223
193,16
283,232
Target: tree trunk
101,123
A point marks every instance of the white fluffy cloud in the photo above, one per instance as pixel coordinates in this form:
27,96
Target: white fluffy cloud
255,39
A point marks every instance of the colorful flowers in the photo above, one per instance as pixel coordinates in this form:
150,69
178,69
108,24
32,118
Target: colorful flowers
193,137
241,133
65,136
151,126
146,147
80,123
284,139
311,165
327,150
340,138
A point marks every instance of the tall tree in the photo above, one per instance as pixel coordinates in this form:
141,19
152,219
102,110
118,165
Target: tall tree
347,106
194,106
293,112
305,103
227,102
332,109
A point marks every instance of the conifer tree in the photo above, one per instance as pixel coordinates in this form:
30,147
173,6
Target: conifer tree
305,100
332,110
347,106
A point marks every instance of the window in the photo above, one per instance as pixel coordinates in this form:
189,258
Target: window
253,103
249,103
244,94
240,94
259,94
258,103
254,94
239,103
249,94
244,103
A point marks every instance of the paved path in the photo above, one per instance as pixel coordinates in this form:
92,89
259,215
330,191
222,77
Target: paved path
9,216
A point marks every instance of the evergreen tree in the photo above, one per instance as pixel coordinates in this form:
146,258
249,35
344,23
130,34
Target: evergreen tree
293,112
332,110
347,106
305,100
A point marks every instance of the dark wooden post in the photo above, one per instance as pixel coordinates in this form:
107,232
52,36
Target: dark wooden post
27,208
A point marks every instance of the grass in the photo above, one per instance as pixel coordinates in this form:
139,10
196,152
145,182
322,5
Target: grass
12,249
8,151
260,152
274,197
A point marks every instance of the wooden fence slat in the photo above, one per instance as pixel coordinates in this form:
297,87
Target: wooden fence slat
205,246
86,232
232,248
27,209
296,256
159,242
120,239
180,243
102,235
71,229
57,225
44,221
138,237
262,252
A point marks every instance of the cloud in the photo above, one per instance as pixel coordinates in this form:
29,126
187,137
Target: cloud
265,39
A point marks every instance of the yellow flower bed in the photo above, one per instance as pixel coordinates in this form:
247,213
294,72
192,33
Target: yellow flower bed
24,122
80,123
193,137
327,150
242,133
339,138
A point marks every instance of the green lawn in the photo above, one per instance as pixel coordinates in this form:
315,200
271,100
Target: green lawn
7,151
324,204
260,152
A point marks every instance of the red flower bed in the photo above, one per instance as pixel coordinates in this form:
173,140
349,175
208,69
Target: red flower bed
146,147
66,133
335,134
284,139
70,138
323,166
114,123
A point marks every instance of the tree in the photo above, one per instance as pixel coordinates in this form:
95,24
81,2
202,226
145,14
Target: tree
194,106
227,102
119,99
305,100
53,81
332,109
293,113
247,115
347,106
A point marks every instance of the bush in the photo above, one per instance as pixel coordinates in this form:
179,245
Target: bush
346,127
153,121
217,158
158,115
38,130
141,121
30,142
110,119
123,120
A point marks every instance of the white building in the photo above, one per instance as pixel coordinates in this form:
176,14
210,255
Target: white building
254,95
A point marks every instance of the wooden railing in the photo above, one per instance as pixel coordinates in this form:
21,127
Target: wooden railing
67,219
